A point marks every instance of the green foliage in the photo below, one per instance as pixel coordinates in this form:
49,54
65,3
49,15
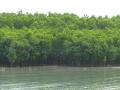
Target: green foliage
67,47
62,39
57,21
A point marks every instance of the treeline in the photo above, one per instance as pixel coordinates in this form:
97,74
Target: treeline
53,47
57,21
58,39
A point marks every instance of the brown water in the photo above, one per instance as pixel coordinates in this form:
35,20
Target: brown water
60,78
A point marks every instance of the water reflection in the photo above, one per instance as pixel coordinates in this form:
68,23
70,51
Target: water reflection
60,78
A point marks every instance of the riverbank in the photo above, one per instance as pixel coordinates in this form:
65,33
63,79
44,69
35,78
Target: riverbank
82,66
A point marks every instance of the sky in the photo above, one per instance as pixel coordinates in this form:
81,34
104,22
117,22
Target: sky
79,7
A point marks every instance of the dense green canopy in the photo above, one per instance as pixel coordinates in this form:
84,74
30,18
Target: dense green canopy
58,39
57,21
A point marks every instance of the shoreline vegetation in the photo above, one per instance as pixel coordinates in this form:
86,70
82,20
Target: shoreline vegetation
59,39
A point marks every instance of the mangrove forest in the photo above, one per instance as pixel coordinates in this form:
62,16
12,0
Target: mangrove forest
58,39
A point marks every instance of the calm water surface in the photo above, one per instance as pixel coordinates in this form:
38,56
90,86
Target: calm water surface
60,78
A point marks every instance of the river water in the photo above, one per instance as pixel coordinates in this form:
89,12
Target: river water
60,78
